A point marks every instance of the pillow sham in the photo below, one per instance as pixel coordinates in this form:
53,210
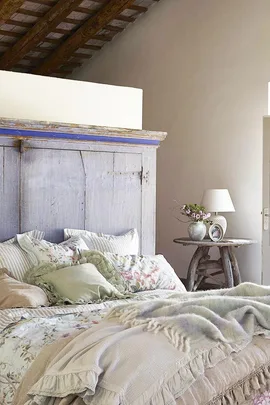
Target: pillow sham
126,244
80,284
141,273
65,253
14,294
15,259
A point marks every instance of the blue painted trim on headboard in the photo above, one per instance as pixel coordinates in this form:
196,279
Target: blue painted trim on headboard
81,137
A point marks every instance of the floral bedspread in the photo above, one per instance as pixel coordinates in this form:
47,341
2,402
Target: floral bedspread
24,332
24,341
21,342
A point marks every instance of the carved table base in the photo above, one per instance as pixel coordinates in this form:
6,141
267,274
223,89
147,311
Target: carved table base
202,267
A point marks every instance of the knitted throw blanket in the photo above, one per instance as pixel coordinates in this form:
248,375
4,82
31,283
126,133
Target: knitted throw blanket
149,353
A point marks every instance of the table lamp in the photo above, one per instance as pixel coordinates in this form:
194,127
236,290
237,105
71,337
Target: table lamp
215,201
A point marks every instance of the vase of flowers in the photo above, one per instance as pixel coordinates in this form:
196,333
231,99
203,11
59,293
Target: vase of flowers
198,217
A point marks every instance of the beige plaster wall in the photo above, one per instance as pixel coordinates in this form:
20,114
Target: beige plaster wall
203,66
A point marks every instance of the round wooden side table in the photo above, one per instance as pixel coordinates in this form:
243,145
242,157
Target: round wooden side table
201,267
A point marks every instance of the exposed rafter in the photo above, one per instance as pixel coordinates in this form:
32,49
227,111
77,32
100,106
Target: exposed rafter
7,8
34,31
39,31
89,29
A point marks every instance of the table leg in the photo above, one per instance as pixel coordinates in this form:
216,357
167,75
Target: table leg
235,267
227,267
192,268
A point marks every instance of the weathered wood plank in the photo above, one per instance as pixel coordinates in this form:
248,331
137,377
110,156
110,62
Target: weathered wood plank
20,127
52,191
8,8
127,191
38,32
148,238
113,193
98,191
71,145
90,28
10,196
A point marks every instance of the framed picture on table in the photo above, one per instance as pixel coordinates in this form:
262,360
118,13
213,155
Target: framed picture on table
216,232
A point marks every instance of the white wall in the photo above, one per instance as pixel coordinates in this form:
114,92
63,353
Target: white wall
43,98
204,66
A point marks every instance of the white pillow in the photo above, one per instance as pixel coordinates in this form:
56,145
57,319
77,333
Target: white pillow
65,253
126,244
15,259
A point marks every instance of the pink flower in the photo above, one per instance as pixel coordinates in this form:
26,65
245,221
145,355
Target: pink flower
198,216
187,211
193,215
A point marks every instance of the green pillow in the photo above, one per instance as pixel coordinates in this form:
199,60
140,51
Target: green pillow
106,268
80,284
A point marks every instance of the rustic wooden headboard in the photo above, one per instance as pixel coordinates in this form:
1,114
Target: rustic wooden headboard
55,175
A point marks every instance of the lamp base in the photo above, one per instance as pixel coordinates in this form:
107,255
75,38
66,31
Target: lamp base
220,220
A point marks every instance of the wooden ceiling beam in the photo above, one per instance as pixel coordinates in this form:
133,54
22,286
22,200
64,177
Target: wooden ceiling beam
8,8
86,10
20,24
134,7
108,27
10,33
93,47
49,3
38,33
87,31
31,13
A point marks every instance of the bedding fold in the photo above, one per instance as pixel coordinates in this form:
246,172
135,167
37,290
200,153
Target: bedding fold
152,352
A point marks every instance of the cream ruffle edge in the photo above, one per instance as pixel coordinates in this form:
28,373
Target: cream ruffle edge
246,389
85,384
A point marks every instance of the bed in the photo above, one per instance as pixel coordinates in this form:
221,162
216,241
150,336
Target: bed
103,180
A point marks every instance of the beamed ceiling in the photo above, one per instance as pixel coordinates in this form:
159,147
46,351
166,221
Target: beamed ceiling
53,37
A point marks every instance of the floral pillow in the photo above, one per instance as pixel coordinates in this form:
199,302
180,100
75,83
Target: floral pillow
65,253
142,273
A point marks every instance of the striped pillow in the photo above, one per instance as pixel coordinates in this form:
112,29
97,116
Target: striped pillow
127,244
14,259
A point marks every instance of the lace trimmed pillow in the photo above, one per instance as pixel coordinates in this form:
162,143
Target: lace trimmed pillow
15,259
141,273
126,244
39,251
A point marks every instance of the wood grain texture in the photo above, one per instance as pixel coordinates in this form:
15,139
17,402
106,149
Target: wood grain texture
57,127
8,8
85,185
192,268
10,195
52,191
38,32
113,191
227,266
235,267
148,201
91,27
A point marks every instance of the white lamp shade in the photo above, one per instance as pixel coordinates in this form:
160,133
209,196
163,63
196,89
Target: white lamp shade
217,200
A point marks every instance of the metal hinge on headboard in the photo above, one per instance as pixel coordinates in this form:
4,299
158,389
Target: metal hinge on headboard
144,176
